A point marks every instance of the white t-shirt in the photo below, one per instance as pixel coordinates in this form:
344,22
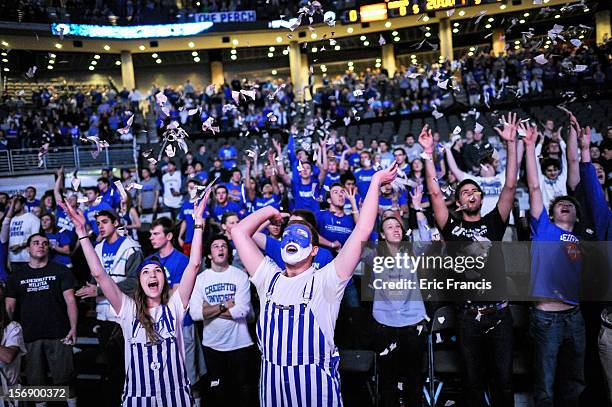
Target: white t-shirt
217,287
13,336
172,182
327,292
22,227
127,316
492,187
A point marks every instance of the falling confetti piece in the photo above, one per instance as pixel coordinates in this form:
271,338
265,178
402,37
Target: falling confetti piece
83,200
481,14
75,183
170,151
443,84
161,98
133,185
381,40
121,190
31,72
450,12
441,320
126,129
576,42
236,96
449,403
541,59
249,93
438,337
478,128
580,68
457,130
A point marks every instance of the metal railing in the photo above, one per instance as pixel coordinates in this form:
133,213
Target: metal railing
26,160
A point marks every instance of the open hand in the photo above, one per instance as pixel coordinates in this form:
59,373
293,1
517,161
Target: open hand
199,207
426,139
416,195
531,134
75,215
387,175
510,125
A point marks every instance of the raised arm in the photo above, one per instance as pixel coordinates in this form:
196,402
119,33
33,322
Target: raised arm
349,255
572,161
109,288
533,180
435,194
323,164
59,182
242,236
452,164
247,180
506,198
195,255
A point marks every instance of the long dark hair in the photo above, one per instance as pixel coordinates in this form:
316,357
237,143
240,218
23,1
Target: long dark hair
142,311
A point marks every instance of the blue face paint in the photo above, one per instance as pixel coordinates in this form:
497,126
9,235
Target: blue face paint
298,234
296,244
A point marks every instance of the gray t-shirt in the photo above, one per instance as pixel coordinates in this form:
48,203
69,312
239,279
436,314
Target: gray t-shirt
148,192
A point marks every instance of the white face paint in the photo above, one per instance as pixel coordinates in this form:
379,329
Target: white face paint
293,253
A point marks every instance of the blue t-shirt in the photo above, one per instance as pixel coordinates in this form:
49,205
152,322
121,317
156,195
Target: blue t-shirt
556,263
112,198
235,192
3,262
217,211
387,203
186,215
109,251
334,227
331,179
305,195
261,202
363,179
273,251
29,206
64,222
59,239
174,266
228,152
91,212
354,160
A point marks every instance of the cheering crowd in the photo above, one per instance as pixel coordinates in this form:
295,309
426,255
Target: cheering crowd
291,221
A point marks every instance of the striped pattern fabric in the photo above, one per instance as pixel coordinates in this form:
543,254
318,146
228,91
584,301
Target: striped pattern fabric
156,374
298,367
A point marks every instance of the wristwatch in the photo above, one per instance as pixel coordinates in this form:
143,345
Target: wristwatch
222,307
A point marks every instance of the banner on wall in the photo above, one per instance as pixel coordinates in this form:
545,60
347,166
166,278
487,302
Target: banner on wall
17,185
245,16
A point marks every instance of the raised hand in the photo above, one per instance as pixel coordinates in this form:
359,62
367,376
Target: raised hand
60,171
426,139
351,195
276,144
387,175
585,138
530,132
416,196
76,216
199,207
510,125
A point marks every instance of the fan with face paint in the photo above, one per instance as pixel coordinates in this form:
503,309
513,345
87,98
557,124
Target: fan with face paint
296,244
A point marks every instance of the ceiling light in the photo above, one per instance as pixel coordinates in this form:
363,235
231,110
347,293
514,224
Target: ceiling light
426,18
57,45
586,10
377,65
366,43
194,54
274,72
362,38
50,55
521,21
526,14
349,30
91,68
154,55
396,39
117,63
428,28
313,36
314,50
377,59
546,46
4,59
141,47
271,55
233,52
107,48
350,63
462,13
471,54
517,47
455,24
428,35
271,49
94,62
502,7
472,49
4,43
351,68
196,59
285,52
394,33
233,57
279,39
557,15
491,19
388,24
158,61
190,44
337,48
235,41
96,56
488,26
455,30
49,67
6,69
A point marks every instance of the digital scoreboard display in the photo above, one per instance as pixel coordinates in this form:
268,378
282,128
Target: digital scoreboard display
399,8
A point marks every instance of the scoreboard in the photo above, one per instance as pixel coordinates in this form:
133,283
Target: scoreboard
399,8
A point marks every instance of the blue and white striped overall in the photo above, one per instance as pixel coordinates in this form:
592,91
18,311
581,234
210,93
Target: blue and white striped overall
298,367
156,376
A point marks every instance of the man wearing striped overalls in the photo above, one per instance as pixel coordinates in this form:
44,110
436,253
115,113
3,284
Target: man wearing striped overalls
299,305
